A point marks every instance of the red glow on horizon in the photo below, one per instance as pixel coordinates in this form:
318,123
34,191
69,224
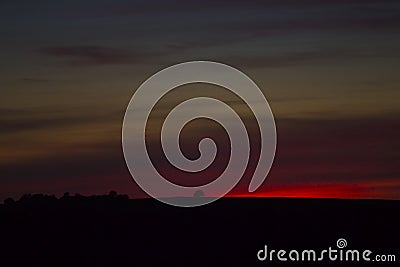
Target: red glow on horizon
339,191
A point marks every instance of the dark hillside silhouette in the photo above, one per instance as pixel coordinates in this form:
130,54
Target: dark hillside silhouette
113,230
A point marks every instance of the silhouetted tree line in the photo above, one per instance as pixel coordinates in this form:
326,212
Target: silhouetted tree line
42,198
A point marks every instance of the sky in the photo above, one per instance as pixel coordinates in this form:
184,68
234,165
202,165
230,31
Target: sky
329,70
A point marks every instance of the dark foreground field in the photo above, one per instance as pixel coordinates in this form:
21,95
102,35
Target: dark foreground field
116,231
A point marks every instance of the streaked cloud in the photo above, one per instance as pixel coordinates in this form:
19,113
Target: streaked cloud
100,55
329,68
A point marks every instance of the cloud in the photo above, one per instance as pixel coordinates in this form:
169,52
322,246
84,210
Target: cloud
361,152
352,21
275,17
28,119
178,6
100,55
305,57
36,80
77,56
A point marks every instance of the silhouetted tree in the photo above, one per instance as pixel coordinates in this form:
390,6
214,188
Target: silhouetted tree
25,197
112,194
9,201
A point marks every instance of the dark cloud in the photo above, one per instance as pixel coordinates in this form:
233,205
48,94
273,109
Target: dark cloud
98,172
322,15
350,22
305,57
264,18
176,6
310,152
100,55
19,120
338,150
36,80
271,16
94,55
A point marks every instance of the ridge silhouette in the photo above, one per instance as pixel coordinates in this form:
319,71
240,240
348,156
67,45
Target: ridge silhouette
113,230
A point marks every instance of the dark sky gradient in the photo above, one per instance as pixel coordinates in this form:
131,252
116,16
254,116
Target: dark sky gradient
328,68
